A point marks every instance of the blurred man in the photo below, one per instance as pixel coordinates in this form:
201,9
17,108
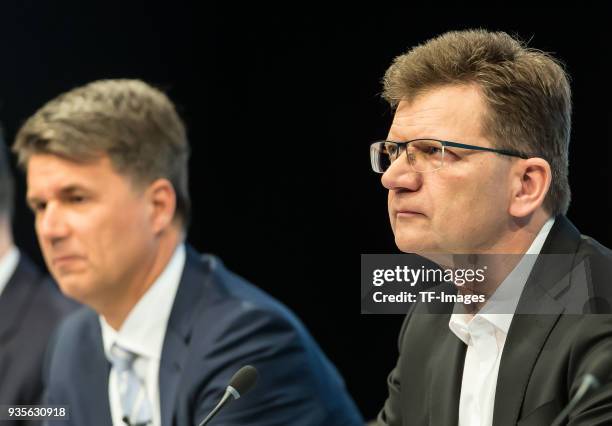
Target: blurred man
107,181
30,309
476,162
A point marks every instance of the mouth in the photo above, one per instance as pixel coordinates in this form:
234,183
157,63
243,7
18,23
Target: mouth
407,214
60,261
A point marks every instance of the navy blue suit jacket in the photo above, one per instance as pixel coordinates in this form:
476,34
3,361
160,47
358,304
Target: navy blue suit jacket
219,322
30,309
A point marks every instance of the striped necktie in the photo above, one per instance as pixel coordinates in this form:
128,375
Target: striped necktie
132,392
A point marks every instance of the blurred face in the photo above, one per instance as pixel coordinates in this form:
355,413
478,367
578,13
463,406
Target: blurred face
91,225
462,207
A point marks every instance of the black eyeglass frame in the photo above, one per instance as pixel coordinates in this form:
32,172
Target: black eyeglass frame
509,152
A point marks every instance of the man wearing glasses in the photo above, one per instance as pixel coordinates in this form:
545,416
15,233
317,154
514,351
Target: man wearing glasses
476,162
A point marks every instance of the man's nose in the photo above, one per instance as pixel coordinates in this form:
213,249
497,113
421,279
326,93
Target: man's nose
401,176
51,223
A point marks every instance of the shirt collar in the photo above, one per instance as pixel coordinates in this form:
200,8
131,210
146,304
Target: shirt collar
8,264
144,329
505,299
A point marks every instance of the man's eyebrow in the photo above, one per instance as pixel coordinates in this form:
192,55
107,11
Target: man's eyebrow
70,189
65,191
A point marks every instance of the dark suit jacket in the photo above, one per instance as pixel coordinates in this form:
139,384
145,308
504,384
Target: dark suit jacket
218,323
543,358
30,308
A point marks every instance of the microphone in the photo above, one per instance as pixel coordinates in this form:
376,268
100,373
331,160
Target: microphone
126,420
241,382
601,371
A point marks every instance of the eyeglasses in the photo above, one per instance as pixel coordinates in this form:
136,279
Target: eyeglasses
424,155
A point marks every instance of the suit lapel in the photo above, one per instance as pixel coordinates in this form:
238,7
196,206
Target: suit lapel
526,337
172,363
528,332
175,350
446,357
93,379
447,372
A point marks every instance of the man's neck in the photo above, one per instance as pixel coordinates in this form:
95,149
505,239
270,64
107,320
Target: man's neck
116,311
502,260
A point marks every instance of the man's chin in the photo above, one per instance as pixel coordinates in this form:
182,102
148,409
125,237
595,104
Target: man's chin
415,244
74,289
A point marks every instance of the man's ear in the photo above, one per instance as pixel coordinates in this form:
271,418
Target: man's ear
162,201
531,180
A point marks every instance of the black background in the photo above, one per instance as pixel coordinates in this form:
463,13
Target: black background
281,106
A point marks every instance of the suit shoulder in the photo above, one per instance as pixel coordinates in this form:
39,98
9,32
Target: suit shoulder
80,324
235,311
235,290
48,299
591,247
240,324
41,303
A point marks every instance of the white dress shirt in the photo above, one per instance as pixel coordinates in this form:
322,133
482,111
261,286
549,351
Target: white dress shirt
8,264
485,335
143,333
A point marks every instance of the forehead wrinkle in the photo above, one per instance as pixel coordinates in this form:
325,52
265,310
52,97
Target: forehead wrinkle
439,116
418,124
52,176
420,113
